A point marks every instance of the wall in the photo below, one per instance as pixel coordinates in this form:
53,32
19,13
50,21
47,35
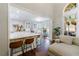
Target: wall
58,20
3,29
77,26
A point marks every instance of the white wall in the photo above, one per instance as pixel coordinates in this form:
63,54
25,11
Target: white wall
58,20
77,26
3,29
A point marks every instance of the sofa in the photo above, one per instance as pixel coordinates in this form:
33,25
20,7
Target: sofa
65,46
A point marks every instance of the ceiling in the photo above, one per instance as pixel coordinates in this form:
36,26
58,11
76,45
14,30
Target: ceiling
36,9
42,9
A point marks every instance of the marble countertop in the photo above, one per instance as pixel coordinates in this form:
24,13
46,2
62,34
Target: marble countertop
17,35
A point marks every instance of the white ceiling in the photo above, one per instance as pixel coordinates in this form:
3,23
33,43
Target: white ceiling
18,14
34,10
42,9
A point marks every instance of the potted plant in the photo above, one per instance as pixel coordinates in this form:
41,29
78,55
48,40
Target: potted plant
57,31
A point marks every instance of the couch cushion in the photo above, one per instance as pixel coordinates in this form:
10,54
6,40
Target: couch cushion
76,41
66,39
64,49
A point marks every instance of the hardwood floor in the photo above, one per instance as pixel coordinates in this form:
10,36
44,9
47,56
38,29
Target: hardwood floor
41,50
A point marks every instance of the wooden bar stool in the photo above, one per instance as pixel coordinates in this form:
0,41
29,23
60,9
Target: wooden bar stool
29,41
14,45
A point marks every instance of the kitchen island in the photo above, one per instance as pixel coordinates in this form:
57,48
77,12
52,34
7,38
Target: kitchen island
20,35
13,37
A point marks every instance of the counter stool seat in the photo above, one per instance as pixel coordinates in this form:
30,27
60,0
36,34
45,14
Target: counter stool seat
30,42
15,45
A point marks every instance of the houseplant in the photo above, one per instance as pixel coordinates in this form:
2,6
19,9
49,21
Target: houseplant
57,32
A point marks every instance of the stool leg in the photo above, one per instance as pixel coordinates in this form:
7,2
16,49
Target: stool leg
33,49
31,46
22,50
11,52
26,47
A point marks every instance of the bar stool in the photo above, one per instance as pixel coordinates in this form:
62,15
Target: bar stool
14,45
29,41
38,41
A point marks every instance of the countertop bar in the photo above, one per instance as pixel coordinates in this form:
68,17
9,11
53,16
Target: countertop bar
18,35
